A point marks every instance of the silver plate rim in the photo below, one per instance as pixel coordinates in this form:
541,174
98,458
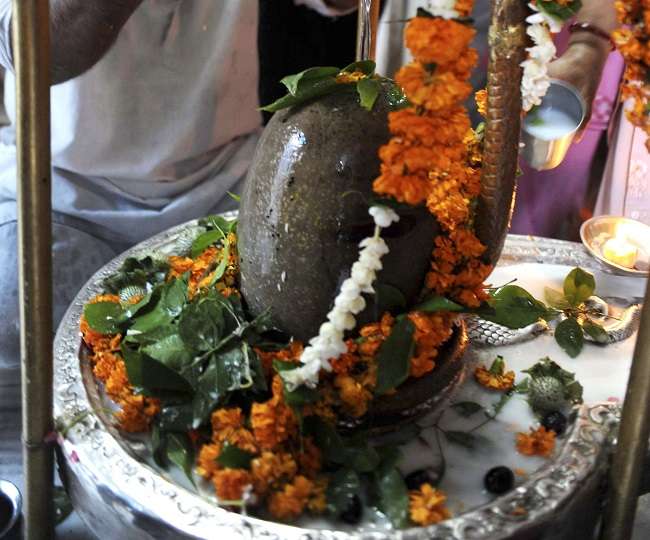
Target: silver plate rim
92,453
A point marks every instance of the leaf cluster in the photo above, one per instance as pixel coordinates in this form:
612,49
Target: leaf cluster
317,82
193,354
578,286
362,471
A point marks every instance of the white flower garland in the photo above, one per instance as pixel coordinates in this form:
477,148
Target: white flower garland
443,8
329,343
535,80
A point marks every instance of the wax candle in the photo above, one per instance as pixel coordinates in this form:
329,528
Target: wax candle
618,250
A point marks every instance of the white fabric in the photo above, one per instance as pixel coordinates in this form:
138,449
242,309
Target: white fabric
161,127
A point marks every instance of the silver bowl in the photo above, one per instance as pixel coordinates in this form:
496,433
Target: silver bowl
596,231
11,497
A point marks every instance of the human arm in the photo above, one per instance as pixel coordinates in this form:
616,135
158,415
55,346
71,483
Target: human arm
583,62
81,31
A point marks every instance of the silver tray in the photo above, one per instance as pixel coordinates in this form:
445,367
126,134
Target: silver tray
119,496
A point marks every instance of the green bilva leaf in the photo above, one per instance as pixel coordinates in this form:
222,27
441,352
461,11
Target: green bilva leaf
158,445
171,351
341,489
394,355
395,96
355,454
215,222
315,88
595,331
439,303
393,497
220,270
555,299
152,336
173,296
233,457
364,66
462,438
180,452
568,335
226,372
360,456
176,418
294,82
515,307
467,408
578,286
368,90
205,240
153,375
201,325
498,366
563,12
104,317
145,273
388,299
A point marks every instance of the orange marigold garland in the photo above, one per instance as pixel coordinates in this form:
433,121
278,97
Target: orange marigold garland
433,158
633,42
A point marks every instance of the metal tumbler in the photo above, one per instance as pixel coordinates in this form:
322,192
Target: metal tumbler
548,129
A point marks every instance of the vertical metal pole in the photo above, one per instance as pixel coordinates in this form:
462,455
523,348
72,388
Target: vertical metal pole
31,50
367,29
629,456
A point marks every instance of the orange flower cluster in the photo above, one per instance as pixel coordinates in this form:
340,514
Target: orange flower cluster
202,269
495,378
633,42
434,156
136,411
282,472
427,505
539,442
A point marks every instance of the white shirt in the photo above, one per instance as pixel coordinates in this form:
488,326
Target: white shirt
161,127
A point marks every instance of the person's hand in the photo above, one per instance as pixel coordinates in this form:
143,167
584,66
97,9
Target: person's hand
582,66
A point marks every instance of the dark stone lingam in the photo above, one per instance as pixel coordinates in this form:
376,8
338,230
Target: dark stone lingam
304,212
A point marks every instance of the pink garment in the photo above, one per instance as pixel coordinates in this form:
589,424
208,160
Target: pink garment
550,203
625,190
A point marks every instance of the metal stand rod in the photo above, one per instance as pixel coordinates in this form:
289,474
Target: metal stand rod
625,473
31,48
367,29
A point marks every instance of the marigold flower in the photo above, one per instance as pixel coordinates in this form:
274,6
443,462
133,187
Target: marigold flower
539,442
427,505
437,41
495,378
464,7
411,189
466,243
290,502
269,469
136,413
429,130
230,483
206,462
317,503
433,92
227,418
481,102
354,396
273,422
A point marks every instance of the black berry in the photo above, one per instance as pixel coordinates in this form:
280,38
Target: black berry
498,480
422,476
555,421
353,512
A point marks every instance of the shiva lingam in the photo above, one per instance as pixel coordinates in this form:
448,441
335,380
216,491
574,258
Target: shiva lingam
305,209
